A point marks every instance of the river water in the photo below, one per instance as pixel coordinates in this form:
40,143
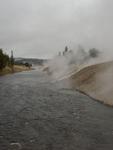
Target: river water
37,114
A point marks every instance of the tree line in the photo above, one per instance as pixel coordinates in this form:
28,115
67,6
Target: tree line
5,60
79,56
93,52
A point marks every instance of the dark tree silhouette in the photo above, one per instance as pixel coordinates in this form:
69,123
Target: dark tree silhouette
66,49
12,61
4,60
94,52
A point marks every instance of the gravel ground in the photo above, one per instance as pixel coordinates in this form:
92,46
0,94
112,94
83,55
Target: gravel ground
36,114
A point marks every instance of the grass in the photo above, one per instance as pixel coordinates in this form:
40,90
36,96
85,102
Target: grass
17,68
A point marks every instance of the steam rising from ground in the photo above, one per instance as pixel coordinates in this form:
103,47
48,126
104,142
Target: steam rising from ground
90,72
69,62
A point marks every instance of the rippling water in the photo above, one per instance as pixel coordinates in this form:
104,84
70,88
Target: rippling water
41,115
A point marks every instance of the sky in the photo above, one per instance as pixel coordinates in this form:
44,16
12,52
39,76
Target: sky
42,28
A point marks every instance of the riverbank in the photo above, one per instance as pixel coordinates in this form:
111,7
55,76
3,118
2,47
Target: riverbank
17,68
96,81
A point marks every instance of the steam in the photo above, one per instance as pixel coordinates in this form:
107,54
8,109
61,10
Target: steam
70,61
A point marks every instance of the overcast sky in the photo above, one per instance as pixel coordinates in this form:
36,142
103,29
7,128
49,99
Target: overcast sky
41,28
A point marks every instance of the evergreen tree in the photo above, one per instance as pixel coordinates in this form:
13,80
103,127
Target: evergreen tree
12,61
4,60
93,52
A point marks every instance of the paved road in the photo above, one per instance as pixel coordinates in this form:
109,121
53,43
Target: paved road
38,115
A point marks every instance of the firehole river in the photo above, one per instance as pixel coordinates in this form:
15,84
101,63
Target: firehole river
37,114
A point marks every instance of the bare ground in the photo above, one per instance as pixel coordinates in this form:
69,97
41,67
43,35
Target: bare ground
96,81
17,68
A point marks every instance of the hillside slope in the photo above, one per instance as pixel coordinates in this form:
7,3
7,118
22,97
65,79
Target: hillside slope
96,81
17,68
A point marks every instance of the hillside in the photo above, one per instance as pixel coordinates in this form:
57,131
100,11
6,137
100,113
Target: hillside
33,61
96,81
7,70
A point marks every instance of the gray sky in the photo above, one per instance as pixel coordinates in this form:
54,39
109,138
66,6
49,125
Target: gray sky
41,28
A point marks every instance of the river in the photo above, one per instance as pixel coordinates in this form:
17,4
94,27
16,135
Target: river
37,114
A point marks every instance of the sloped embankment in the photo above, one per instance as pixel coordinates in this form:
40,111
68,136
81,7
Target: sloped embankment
17,68
96,81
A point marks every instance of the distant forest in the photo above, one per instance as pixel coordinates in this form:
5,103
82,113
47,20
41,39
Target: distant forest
5,60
